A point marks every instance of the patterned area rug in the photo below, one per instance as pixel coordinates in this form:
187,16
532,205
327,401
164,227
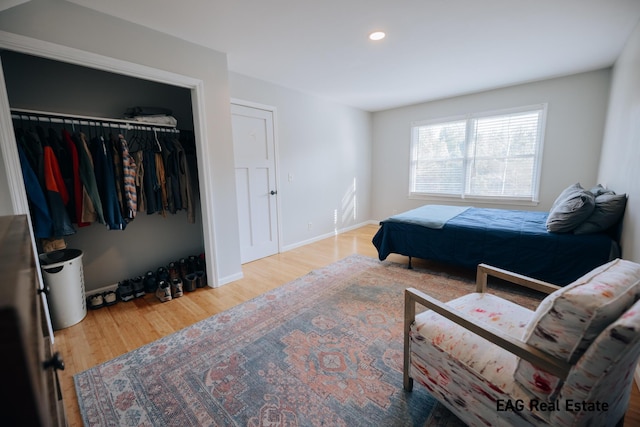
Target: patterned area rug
323,350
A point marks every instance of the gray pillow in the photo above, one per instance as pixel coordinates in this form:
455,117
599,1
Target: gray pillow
566,193
599,190
570,209
608,210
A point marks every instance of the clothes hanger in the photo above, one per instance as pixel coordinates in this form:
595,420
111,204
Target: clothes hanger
134,141
155,137
147,139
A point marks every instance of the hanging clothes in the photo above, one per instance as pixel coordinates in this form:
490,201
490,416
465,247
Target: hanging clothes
57,194
40,216
91,203
129,192
75,183
67,170
184,176
138,157
34,152
46,191
171,175
153,200
105,178
160,172
113,145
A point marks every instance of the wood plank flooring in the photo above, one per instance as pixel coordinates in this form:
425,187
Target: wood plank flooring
111,331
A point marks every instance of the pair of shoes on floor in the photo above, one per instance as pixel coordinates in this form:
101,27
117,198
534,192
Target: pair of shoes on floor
167,290
163,293
190,265
102,300
131,288
197,279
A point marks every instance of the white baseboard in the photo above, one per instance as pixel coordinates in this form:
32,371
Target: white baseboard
636,376
102,289
324,236
228,279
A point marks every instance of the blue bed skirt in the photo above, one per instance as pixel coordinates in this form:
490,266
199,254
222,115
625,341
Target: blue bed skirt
515,240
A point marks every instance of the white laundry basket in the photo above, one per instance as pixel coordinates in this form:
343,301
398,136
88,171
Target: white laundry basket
63,275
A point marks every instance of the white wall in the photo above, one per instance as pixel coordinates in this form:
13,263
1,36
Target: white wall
575,121
620,164
326,148
73,26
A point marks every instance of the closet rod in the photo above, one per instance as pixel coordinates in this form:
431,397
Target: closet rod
131,124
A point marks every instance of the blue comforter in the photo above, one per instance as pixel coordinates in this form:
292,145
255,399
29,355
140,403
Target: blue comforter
511,239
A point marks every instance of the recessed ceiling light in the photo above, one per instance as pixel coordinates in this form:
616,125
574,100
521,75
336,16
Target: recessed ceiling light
377,35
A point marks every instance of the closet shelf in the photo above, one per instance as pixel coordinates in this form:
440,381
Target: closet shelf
35,115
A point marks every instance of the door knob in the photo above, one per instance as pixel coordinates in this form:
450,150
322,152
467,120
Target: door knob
273,192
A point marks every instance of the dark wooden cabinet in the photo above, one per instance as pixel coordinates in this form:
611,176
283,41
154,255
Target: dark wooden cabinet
30,393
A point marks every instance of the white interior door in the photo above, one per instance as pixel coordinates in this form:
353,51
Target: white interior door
254,150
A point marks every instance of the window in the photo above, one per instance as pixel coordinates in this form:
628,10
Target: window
489,155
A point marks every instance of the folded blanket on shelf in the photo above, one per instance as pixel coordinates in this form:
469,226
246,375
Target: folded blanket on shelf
147,111
159,120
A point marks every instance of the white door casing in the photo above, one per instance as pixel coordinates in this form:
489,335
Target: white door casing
255,167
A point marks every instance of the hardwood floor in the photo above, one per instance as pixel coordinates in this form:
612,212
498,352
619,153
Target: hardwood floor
111,331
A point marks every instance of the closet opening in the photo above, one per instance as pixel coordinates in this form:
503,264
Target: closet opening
51,97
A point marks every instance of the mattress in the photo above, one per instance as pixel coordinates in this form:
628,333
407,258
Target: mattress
515,240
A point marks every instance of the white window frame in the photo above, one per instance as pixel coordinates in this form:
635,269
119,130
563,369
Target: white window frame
531,201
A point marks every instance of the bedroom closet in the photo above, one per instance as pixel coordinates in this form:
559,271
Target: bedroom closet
57,99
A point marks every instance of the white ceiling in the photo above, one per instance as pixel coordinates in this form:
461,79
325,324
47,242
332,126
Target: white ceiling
434,48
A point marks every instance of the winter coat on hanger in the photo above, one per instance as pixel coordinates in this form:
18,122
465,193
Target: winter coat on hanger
40,216
105,178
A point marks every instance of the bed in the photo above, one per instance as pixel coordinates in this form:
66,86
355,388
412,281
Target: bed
515,240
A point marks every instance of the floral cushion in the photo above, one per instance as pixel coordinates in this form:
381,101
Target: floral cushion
461,343
568,320
603,375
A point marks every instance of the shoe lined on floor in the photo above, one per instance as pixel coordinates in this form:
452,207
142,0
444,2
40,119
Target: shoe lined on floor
190,282
138,286
183,266
150,282
162,274
163,293
194,263
198,262
125,290
95,301
110,298
174,272
176,288
201,279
